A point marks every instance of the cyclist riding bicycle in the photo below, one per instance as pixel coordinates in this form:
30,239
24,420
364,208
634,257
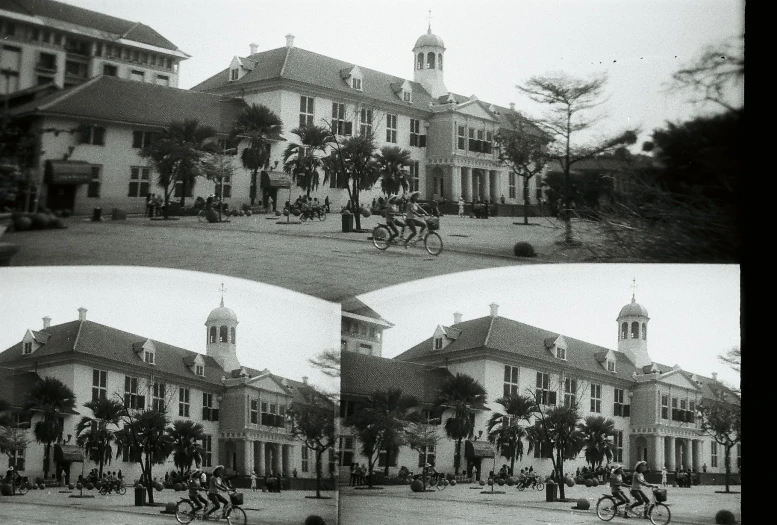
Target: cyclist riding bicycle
616,486
637,482
414,214
392,220
194,491
217,485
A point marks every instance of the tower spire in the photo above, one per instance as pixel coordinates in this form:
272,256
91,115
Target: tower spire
222,289
634,290
429,29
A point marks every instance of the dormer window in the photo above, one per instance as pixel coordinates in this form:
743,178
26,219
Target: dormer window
611,366
149,357
27,348
199,370
234,74
356,83
407,96
561,353
437,343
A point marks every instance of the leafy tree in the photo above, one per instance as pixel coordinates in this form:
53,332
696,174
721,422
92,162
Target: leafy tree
312,422
392,163
504,428
596,430
303,160
465,396
259,125
569,100
733,358
95,434
186,440
144,435
352,163
178,154
422,436
720,417
524,150
52,399
12,437
328,361
380,422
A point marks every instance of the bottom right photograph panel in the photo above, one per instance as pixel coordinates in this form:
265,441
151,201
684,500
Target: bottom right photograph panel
555,394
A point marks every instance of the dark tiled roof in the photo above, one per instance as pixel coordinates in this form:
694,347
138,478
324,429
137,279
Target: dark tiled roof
14,385
109,343
362,375
301,392
499,333
119,100
707,385
355,306
312,68
71,14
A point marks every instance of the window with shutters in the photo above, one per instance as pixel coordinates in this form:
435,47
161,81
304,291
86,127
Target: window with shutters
345,450
415,131
543,392
618,443
570,392
158,397
305,459
141,139
620,408
306,111
339,124
510,380
93,190
365,122
207,447
207,406
414,169
391,128
511,178
714,455
664,406
254,412
596,398
183,402
429,453
131,397
99,384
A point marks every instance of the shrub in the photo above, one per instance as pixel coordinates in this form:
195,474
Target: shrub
5,489
79,486
170,507
569,482
39,480
490,482
29,485
249,213
524,249
245,207
158,486
278,213
365,212
296,212
40,220
583,504
725,517
57,224
417,486
482,483
314,520
98,485
22,223
71,486
595,482
285,213
242,213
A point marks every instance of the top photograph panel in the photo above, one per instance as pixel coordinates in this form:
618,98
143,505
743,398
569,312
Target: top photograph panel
553,133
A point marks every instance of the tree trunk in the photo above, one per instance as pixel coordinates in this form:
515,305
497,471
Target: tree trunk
370,465
526,200
183,192
318,472
355,205
149,481
47,461
512,464
457,456
728,468
560,475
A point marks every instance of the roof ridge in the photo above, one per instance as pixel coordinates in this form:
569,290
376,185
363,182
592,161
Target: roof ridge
78,335
488,334
285,61
68,94
131,28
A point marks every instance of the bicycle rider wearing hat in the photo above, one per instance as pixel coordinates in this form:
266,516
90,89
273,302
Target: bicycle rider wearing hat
194,487
412,214
216,485
637,482
616,486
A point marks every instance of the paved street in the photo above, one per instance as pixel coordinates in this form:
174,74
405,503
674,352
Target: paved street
467,506
53,507
316,259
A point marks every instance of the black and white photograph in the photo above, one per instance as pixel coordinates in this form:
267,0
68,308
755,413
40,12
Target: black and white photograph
298,164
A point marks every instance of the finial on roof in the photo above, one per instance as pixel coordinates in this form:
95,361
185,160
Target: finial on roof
634,290
222,294
429,30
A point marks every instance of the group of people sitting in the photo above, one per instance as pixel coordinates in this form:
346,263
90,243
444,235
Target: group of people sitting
113,477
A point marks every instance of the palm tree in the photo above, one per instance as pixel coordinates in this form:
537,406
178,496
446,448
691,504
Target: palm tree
505,430
464,396
186,437
304,159
596,431
392,161
145,435
258,124
178,155
94,434
52,398
558,430
354,161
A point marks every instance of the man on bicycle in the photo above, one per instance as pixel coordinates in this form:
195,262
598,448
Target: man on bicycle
392,212
194,491
414,215
216,486
616,486
637,482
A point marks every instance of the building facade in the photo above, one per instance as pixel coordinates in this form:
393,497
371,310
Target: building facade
653,406
242,410
53,42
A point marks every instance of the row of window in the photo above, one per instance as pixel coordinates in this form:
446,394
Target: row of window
634,333
272,414
474,140
547,396
683,410
512,193
430,61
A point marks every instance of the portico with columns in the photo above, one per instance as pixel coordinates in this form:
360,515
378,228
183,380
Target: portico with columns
263,452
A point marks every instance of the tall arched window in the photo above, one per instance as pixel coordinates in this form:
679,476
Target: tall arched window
430,60
223,334
635,330
624,330
644,331
439,61
212,334
232,335
420,61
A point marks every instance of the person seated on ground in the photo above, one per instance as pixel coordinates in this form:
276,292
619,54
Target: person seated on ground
194,491
637,482
616,486
430,470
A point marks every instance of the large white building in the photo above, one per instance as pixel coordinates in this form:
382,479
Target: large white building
653,406
242,410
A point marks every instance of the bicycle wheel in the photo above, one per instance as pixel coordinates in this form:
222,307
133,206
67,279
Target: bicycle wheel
184,511
122,490
433,243
237,516
22,489
322,216
303,217
539,486
660,514
521,487
606,509
103,490
380,236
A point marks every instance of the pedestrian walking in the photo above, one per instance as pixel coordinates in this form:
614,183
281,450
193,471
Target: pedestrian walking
149,204
663,476
326,204
461,207
253,481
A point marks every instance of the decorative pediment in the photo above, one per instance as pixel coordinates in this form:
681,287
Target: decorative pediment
475,108
677,378
196,363
238,67
267,383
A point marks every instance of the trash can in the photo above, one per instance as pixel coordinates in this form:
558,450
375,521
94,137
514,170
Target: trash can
347,222
97,214
140,496
551,491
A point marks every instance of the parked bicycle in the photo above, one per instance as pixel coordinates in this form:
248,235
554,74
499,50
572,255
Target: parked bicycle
185,512
313,213
114,486
531,482
432,240
657,511
20,483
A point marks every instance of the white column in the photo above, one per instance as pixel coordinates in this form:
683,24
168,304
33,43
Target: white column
276,457
670,454
486,185
466,183
285,456
248,456
455,172
658,453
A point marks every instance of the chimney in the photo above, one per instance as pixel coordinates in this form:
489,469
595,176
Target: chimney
254,48
46,322
715,376
494,309
512,106
289,40
304,380
82,314
456,317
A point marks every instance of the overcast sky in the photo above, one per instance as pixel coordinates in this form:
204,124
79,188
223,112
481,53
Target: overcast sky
277,329
694,309
490,45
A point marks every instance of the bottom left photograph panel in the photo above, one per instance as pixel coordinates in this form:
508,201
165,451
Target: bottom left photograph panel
136,391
